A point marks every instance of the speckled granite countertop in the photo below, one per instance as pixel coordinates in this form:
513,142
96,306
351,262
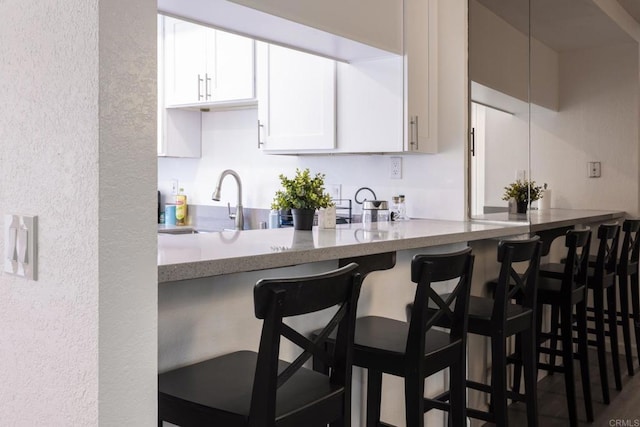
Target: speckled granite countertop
555,218
190,256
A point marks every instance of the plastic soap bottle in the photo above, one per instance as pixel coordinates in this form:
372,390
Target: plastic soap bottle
181,208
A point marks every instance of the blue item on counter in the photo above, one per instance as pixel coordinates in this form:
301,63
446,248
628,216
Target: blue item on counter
170,214
274,219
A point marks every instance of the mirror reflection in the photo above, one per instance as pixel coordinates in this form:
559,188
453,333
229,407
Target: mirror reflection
554,91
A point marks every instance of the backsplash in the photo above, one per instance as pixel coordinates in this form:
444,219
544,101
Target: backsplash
433,184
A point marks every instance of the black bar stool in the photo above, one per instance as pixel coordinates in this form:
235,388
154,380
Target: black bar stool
500,318
415,350
259,390
628,277
563,288
601,279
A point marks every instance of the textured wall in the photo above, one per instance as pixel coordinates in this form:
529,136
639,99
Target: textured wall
59,124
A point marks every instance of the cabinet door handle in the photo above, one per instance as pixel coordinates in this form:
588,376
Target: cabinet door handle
200,96
473,142
260,130
413,130
207,86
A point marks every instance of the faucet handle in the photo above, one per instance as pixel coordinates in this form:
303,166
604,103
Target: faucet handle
231,215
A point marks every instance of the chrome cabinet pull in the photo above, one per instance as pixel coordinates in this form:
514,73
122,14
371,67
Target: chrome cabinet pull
200,96
260,130
413,131
207,86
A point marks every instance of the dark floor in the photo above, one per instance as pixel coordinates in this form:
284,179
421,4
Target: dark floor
623,411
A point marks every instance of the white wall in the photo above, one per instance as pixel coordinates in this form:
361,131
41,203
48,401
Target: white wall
597,121
77,142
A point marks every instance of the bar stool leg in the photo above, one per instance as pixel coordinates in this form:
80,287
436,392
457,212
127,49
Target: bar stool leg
499,379
598,313
583,350
567,362
458,400
530,363
374,397
553,344
414,399
635,305
613,335
625,318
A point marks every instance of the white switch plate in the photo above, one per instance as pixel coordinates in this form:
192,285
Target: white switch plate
20,246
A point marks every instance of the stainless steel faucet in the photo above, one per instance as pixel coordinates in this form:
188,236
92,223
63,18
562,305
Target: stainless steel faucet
238,216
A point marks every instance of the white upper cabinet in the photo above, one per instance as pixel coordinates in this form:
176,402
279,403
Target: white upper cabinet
421,76
296,100
206,66
179,131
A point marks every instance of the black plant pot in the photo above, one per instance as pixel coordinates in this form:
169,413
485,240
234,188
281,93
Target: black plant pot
303,218
521,207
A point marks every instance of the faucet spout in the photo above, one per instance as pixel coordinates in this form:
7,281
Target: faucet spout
238,216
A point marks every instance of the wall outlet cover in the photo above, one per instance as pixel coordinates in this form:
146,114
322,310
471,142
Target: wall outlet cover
395,167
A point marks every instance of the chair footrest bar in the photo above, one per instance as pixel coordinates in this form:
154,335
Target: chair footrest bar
435,404
474,385
480,415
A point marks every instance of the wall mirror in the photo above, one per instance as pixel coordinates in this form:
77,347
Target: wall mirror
554,98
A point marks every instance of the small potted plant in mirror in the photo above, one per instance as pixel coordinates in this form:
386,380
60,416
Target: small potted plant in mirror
303,194
522,192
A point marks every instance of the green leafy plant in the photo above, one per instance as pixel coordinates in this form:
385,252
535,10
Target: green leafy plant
302,192
522,191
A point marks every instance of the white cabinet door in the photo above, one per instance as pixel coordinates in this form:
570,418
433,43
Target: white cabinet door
296,100
185,49
233,65
421,76
205,66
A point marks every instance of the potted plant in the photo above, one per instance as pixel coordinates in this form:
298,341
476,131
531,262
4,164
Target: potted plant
303,194
522,192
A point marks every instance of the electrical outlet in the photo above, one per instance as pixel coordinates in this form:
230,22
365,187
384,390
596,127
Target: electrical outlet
594,170
174,186
334,190
395,167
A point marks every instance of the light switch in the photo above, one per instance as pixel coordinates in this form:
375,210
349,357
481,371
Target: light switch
21,241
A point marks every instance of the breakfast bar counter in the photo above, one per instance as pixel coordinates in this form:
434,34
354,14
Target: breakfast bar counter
191,256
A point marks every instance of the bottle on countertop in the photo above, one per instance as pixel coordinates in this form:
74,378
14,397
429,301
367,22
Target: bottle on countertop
181,208
274,218
402,209
395,202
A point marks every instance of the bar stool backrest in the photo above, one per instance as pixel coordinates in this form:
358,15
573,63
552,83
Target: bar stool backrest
429,269
576,267
630,252
607,256
513,284
276,299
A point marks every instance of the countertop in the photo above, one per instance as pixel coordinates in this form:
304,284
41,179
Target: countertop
190,256
541,220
